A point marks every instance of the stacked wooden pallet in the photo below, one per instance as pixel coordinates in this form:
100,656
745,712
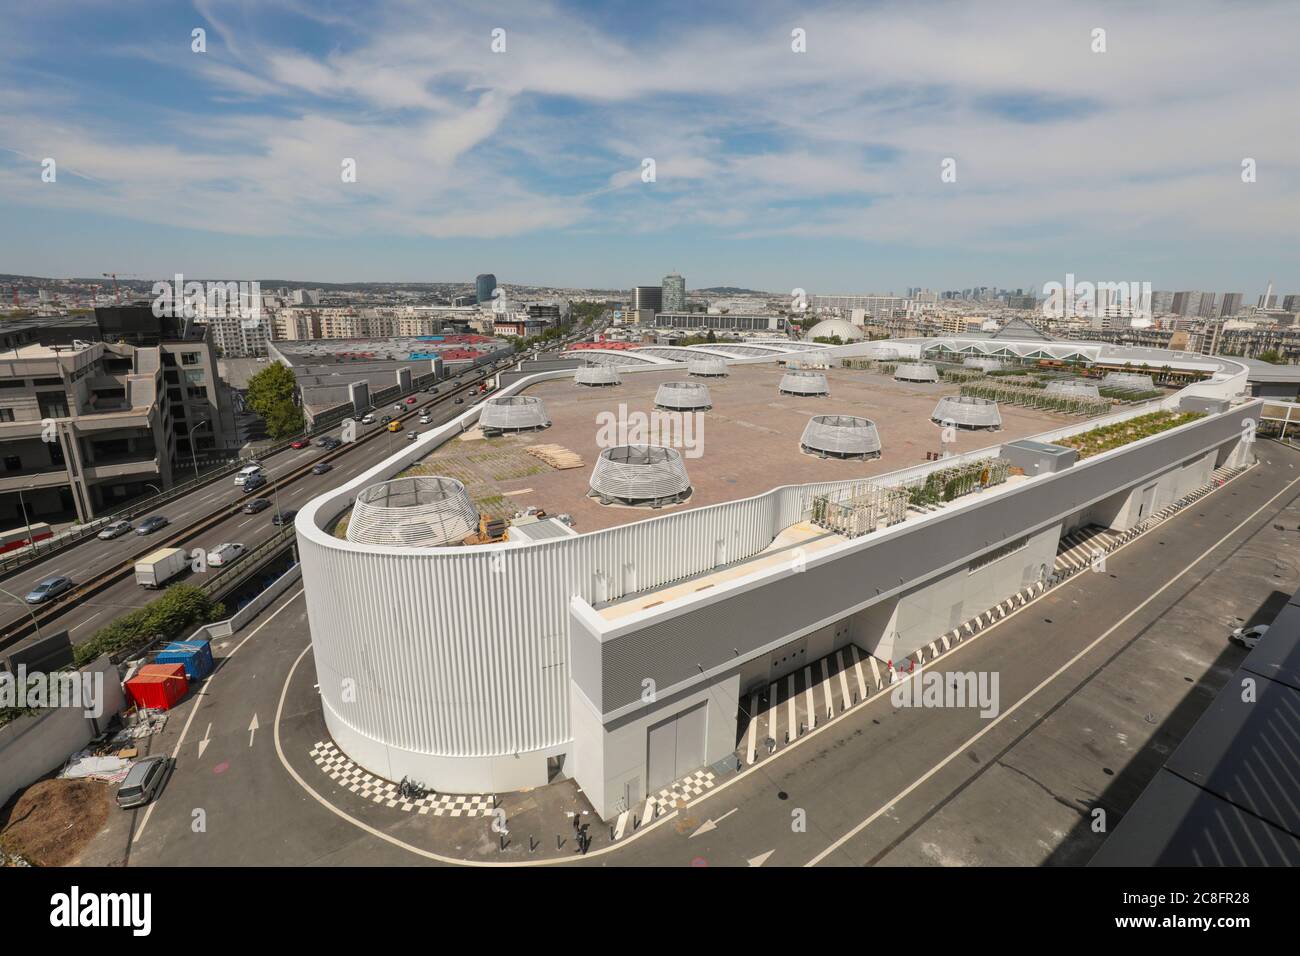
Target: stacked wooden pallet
557,456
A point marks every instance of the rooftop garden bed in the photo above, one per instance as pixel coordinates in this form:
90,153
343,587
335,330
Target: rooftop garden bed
1106,437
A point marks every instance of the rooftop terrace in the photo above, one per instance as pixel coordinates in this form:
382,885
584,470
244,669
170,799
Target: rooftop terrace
749,442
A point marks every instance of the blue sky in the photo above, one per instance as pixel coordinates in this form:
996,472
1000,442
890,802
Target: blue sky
773,169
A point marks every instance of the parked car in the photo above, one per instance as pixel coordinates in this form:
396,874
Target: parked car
256,505
151,524
1248,637
426,419
368,420
253,482
225,554
284,518
48,589
321,467
144,781
300,443
114,530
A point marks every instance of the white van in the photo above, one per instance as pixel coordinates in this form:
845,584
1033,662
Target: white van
245,473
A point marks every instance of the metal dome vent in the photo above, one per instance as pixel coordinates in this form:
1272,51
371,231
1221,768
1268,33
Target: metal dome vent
640,475
513,413
595,375
916,372
965,411
840,436
707,367
683,396
1129,380
1072,389
419,512
804,382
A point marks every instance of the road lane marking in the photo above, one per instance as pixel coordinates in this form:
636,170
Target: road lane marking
1007,712
85,622
207,687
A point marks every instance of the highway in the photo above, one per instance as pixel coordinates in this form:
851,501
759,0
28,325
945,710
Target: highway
92,557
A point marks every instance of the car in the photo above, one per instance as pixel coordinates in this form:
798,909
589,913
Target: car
397,407
321,467
1248,637
368,420
299,443
413,436
284,518
247,472
114,530
225,553
49,589
329,444
426,419
151,524
386,419
253,482
459,400
394,426
144,781
411,400
256,505
433,391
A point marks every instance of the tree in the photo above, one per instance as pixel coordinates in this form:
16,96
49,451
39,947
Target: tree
272,393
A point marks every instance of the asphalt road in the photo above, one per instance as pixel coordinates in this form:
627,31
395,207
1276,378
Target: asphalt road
1098,682
85,560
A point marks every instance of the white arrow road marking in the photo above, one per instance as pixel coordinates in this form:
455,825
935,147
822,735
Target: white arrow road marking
252,730
760,859
711,824
203,744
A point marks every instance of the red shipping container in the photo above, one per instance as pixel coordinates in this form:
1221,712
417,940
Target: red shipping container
158,691
166,670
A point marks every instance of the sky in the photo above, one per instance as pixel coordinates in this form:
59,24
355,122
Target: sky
514,138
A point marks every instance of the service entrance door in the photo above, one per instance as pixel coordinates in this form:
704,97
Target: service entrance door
675,747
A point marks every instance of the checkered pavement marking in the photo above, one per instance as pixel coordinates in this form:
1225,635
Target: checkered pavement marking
687,788
336,765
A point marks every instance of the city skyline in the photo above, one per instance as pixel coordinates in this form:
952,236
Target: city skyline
774,169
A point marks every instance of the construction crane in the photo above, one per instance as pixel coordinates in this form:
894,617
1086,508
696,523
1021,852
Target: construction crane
117,298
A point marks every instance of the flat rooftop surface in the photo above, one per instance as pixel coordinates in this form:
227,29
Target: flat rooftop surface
749,442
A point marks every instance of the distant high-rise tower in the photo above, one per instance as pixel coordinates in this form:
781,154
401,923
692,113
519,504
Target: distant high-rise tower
1231,304
1268,300
674,293
483,286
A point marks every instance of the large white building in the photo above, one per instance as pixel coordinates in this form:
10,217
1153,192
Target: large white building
627,655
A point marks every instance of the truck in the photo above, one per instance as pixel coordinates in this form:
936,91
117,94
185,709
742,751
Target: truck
155,570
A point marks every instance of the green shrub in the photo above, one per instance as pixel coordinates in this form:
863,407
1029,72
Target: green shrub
180,609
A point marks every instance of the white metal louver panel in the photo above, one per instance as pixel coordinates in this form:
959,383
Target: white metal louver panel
967,412
844,436
804,382
683,396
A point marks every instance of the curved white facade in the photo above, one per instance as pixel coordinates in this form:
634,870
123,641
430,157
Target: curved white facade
916,372
462,666
804,382
841,436
967,412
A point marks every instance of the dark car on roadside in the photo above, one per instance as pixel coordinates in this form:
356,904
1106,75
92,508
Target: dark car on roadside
253,482
256,505
284,518
151,524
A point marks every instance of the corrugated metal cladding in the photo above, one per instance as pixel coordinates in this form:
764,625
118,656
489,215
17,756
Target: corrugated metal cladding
464,651
679,648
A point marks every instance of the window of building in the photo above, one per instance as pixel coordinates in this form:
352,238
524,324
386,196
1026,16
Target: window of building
53,404
13,383
47,381
6,414
189,358
13,463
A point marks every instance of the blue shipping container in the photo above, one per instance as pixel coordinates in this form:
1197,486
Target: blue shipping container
195,656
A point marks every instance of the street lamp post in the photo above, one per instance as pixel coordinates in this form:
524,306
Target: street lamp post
35,623
189,435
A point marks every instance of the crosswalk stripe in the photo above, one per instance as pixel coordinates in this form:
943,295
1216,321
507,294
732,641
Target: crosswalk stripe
753,727
857,671
812,704
844,679
826,689
773,713
793,728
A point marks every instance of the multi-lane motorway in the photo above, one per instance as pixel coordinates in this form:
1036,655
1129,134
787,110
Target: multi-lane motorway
92,557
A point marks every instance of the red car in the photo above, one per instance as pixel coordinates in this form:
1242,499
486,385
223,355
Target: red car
300,443
411,400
